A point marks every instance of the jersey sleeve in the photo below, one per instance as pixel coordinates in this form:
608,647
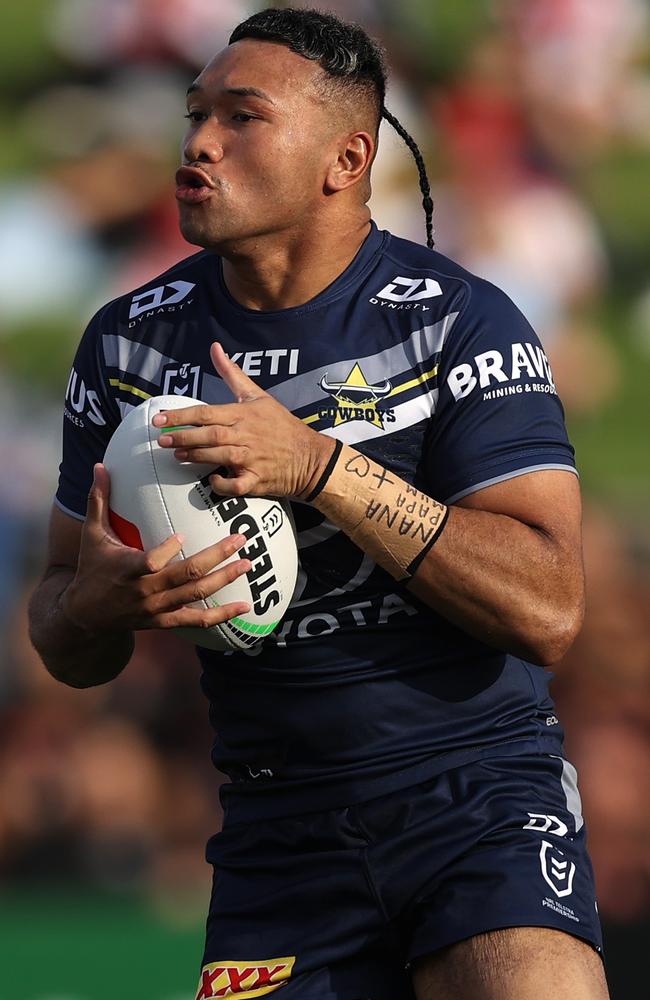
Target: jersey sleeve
90,415
498,413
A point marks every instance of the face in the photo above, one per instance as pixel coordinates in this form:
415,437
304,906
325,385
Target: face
257,146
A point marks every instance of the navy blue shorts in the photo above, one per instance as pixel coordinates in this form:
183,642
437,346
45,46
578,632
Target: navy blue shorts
336,905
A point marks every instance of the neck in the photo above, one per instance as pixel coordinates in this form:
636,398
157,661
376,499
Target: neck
284,270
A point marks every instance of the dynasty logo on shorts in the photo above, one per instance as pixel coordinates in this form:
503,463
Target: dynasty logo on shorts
244,979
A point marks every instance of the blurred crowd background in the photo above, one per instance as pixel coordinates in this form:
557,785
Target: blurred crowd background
534,119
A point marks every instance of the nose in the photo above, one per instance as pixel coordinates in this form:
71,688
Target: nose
201,144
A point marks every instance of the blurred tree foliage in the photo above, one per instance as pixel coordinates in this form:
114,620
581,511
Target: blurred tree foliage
612,444
26,59
40,352
616,184
439,34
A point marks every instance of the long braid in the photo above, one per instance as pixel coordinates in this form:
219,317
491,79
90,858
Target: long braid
425,188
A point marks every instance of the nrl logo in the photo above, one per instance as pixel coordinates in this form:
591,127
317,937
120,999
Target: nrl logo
557,871
356,399
181,380
273,519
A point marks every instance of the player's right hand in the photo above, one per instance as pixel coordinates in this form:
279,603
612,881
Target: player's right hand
117,587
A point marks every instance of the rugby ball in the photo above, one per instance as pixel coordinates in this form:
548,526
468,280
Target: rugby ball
153,495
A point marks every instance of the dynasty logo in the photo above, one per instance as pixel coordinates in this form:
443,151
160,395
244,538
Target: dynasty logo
356,399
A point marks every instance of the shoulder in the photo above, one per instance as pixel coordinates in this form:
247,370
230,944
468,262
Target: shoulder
420,274
169,291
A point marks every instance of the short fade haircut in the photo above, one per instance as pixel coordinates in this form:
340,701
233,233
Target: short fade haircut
348,55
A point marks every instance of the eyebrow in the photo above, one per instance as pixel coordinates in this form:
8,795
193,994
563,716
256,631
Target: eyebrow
236,91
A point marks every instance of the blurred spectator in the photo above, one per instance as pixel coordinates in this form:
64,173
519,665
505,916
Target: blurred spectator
578,78
103,32
29,436
110,787
603,691
508,215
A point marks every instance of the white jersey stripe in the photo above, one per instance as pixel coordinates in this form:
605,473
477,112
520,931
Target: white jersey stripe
419,348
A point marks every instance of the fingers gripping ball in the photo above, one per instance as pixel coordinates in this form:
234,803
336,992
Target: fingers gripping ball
153,496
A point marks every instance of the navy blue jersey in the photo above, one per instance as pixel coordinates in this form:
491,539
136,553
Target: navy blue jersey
433,373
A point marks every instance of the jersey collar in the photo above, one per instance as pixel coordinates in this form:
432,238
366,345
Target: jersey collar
363,261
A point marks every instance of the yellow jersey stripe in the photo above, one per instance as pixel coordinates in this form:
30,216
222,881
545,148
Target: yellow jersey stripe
125,387
414,381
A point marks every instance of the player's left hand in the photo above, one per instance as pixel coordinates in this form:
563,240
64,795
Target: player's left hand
266,450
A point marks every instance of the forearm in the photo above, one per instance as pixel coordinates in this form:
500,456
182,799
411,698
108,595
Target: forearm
499,579
70,653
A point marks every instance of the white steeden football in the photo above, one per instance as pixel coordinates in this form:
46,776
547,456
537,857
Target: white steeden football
153,495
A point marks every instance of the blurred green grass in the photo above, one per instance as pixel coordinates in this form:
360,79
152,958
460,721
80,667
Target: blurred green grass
94,948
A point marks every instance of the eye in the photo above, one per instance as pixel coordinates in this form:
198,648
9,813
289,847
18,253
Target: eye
194,116
243,116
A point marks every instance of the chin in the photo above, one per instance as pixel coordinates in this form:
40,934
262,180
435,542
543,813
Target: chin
196,231
200,233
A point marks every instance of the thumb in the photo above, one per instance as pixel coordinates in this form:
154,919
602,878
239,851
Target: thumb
241,386
100,491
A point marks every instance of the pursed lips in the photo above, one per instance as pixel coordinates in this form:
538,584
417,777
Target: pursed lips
193,185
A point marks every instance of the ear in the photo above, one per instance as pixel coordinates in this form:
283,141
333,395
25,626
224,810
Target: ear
352,160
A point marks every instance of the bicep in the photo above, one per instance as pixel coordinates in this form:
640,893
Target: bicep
508,568
547,500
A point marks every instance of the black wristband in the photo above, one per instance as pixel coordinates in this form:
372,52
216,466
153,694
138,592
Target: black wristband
413,565
329,469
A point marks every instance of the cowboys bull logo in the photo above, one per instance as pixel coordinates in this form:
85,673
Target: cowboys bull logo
244,979
356,399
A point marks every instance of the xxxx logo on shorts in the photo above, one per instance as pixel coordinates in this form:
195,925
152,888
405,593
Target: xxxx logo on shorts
244,979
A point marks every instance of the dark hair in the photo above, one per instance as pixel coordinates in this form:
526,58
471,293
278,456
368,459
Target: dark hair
348,55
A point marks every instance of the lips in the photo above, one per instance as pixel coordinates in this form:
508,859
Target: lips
193,185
